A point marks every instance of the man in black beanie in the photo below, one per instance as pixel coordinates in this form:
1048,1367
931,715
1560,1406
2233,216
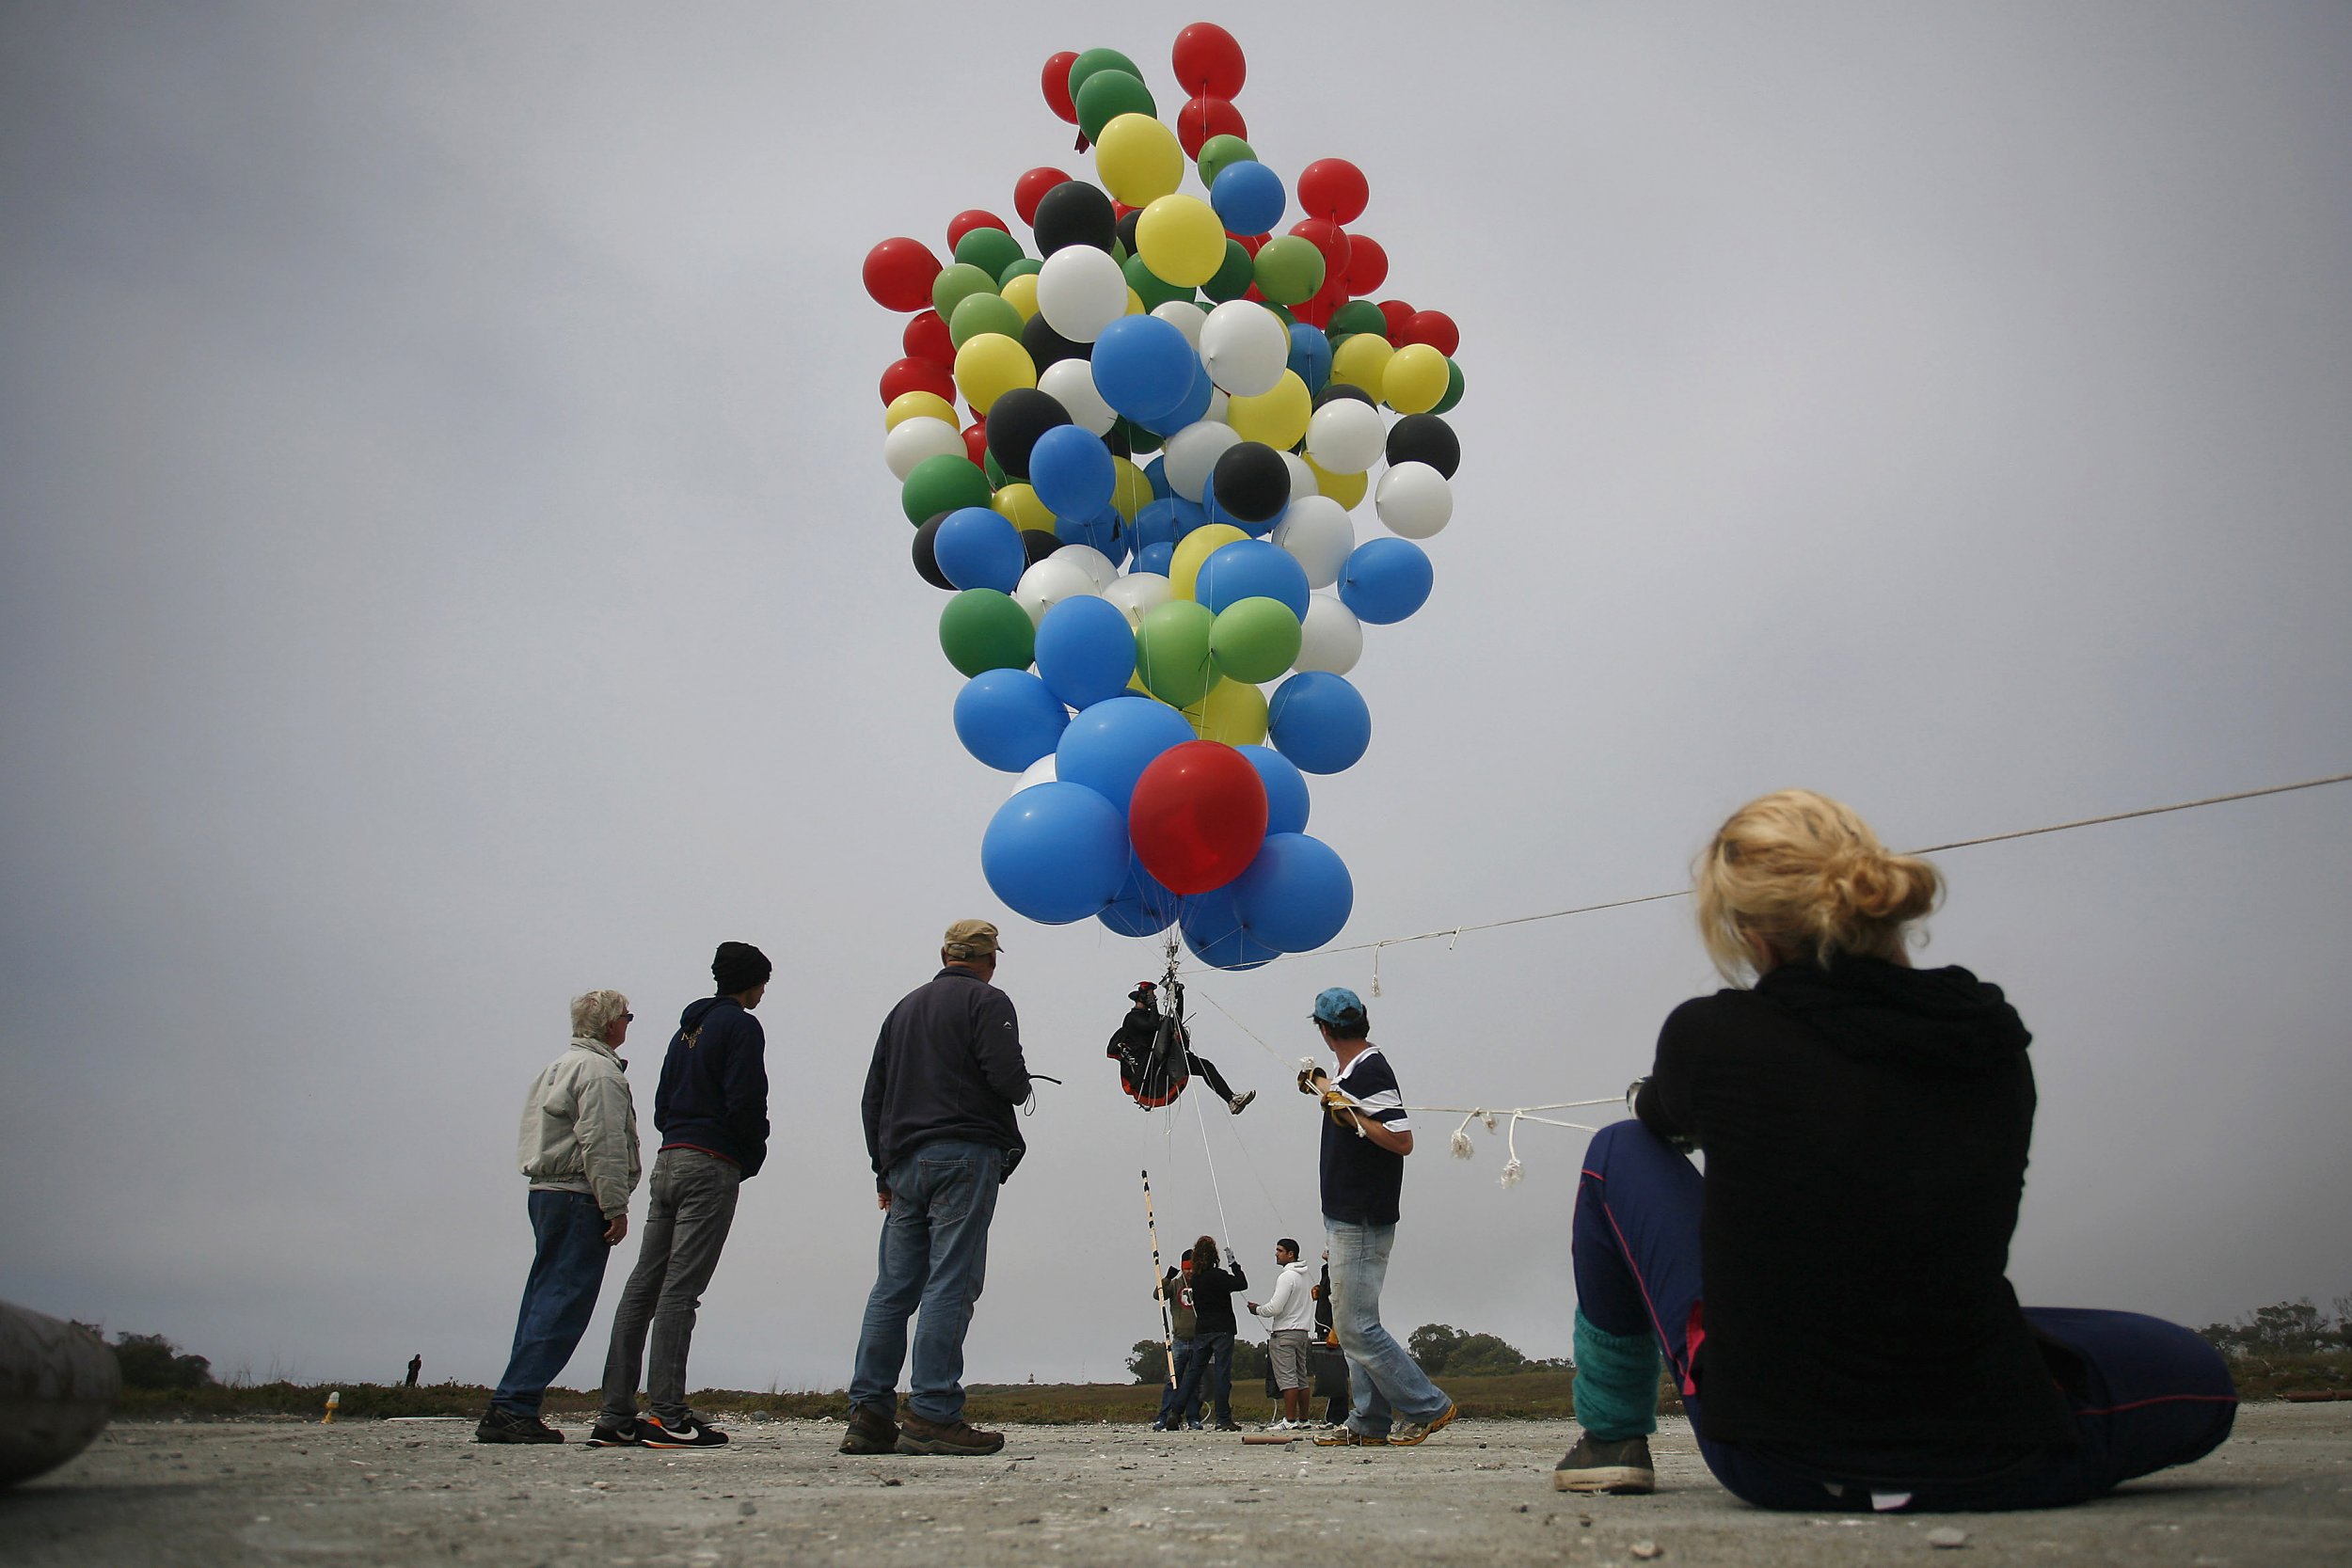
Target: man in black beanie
711,1111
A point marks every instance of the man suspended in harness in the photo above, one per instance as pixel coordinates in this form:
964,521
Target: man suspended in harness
1155,1054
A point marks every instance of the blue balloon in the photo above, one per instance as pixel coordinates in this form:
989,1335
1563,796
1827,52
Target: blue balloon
1085,652
977,548
1317,720
1071,470
1194,406
1144,368
1189,516
1384,580
1215,932
1155,558
1285,789
1295,895
1156,471
1108,747
1155,522
1311,355
1142,907
1106,531
1008,717
1248,198
1055,852
1251,569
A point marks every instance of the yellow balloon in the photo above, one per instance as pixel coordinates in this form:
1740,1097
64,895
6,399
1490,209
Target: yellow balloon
918,405
991,365
1347,489
1021,294
1135,304
1139,159
1130,492
1415,381
1181,240
1363,359
1277,418
1194,548
1018,504
1234,712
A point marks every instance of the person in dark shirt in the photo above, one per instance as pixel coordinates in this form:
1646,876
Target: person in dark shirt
1182,1325
1830,1297
1215,1325
1147,1058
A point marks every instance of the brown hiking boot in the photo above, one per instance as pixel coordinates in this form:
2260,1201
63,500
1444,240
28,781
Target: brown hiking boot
917,1435
871,1430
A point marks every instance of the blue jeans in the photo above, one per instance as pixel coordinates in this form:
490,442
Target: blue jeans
1210,1372
566,1272
934,1255
2146,1394
1172,1408
1385,1379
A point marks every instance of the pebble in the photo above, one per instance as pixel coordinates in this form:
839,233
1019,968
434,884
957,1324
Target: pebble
746,1510
1946,1538
1647,1550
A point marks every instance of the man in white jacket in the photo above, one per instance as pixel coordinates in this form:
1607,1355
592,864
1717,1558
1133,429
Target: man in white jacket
577,1148
1291,1312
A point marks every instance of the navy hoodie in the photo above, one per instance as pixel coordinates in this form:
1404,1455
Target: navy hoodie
714,1084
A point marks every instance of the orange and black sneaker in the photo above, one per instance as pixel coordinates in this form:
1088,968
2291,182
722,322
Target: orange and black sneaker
680,1432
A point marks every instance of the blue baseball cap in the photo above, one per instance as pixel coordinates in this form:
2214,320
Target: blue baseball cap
1339,1005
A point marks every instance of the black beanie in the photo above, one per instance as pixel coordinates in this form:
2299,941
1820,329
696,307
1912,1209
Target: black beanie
739,966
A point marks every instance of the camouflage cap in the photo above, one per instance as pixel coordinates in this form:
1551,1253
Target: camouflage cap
972,939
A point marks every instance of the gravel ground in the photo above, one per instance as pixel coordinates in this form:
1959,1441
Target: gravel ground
423,1492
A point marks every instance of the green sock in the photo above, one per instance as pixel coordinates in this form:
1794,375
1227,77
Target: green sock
1617,1381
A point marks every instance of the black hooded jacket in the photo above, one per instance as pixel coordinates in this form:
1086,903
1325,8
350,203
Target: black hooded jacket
1866,1128
714,1084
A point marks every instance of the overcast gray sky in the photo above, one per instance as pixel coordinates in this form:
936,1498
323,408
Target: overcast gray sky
447,564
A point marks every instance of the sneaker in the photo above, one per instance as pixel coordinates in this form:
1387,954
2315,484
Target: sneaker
1593,1465
681,1432
1404,1434
510,1426
609,1434
1229,1426
1192,1426
871,1430
1348,1438
919,1434
1240,1101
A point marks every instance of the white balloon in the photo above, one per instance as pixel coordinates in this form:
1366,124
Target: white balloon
1319,533
910,441
1052,580
1093,563
1302,477
1080,291
1218,403
1414,500
1041,771
1346,437
1186,317
1245,346
1193,451
1138,593
1330,638
1071,383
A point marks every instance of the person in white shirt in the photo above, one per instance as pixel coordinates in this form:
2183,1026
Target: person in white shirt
1291,1313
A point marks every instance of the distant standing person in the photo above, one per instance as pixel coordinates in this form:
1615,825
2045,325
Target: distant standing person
711,1111
416,1362
1211,1369
1365,1139
1331,1363
947,1077
578,1149
1288,1313
1182,1325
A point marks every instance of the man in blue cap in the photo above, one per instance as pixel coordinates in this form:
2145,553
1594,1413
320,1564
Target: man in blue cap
1365,1140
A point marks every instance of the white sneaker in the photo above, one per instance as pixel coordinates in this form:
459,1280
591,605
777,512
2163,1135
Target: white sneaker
1283,1425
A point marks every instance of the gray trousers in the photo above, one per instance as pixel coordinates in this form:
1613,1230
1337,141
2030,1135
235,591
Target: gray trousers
686,1227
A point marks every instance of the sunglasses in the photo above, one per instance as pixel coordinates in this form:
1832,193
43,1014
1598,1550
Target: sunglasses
628,1018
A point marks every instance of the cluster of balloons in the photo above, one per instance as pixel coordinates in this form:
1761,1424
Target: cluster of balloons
1176,406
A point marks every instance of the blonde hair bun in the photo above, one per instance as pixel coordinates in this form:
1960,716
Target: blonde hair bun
1805,875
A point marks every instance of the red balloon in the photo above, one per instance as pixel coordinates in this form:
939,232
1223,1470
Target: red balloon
967,221
1333,188
1434,327
1250,242
975,443
1367,264
927,339
1030,189
1317,311
1197,816
1330,239
917,375
1396,313
1055,82
1203,117
899,274
1208,61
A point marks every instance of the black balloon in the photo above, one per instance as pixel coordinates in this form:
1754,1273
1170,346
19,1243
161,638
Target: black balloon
1047,346
1126,230
1343,389
1039,543
926,563
1015,420
1251,481
1074,212
1424,438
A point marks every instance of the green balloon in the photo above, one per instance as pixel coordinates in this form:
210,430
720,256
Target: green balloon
1172,651
1138,438
1254,640
1290,270
1085,65
1233,277
1219,153
982,629
1106,95
955,284
1026,265
1356,315
1282,313
992,250
1150,287
980,313
942,483
1453,389
995,470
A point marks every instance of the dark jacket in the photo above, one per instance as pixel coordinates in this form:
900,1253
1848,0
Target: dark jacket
947,1065
714,1084
1213,1297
